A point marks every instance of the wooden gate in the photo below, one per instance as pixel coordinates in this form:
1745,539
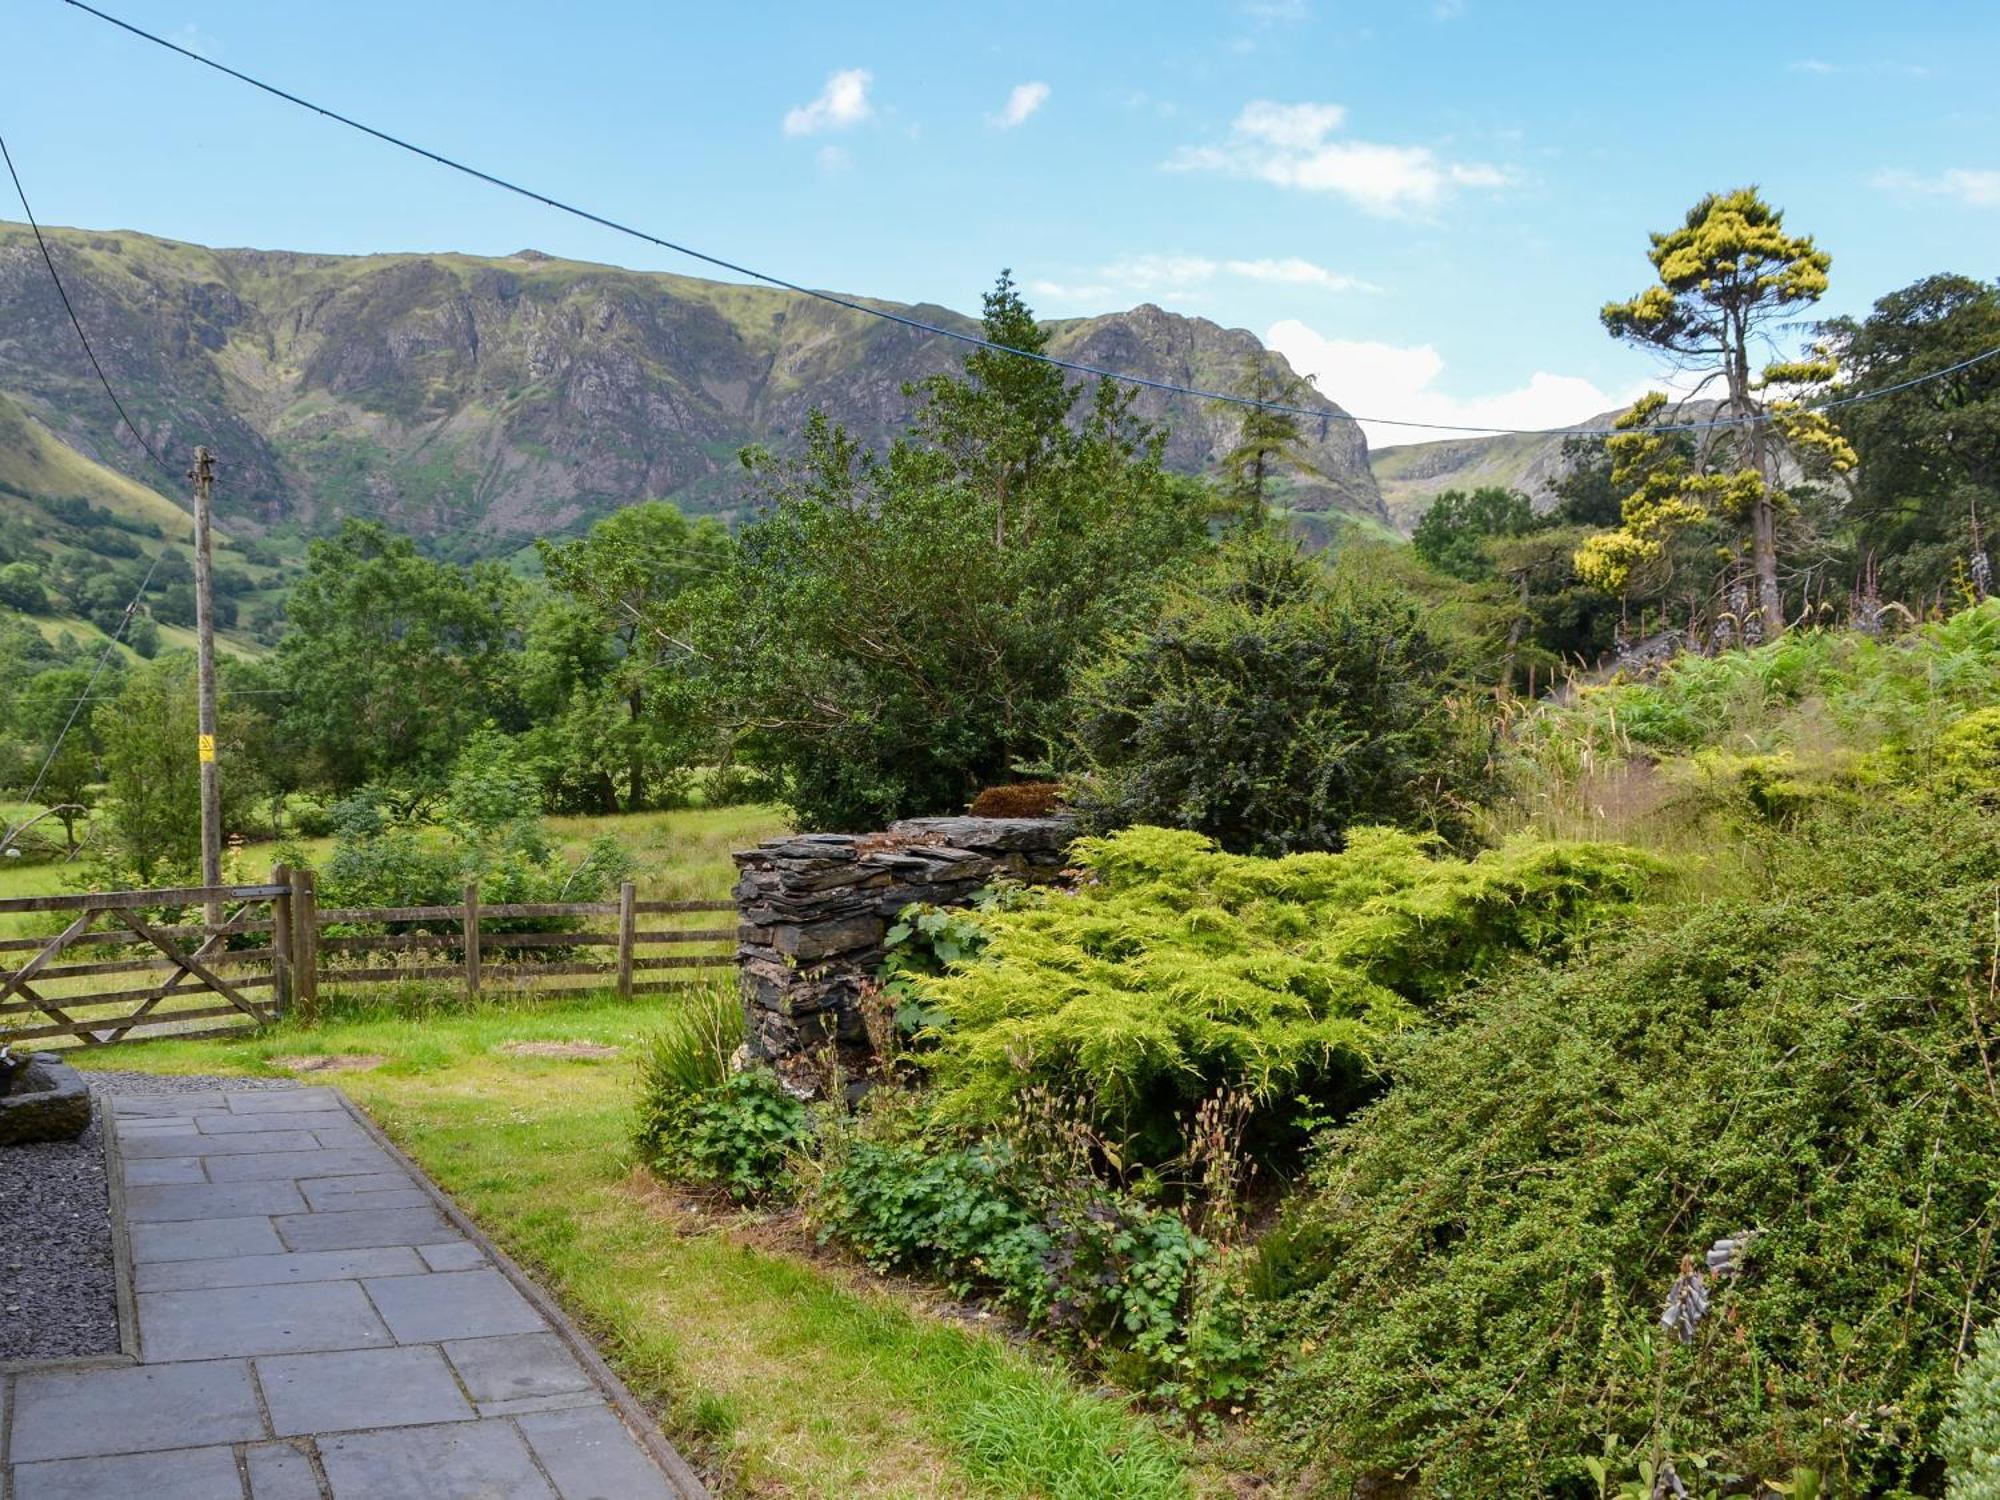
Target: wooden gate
235,969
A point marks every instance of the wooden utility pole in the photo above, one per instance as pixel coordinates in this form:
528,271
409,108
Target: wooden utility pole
203,475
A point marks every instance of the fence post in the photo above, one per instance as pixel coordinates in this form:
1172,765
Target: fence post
472,938
281,941
628,931
305,942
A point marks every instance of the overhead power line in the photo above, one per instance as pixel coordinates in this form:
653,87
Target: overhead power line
918,324
70,308
132,608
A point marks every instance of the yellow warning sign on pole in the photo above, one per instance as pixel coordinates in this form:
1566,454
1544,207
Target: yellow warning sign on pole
205,747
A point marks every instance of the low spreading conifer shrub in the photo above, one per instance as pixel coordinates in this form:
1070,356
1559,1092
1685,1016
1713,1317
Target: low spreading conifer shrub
1470,1298
1176,970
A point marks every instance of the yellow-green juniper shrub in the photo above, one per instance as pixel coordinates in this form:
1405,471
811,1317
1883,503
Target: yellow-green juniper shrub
1174,969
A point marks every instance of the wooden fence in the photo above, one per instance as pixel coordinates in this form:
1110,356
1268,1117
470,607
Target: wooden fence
244,955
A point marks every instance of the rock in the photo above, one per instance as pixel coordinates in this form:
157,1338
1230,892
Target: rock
49,1101
814,913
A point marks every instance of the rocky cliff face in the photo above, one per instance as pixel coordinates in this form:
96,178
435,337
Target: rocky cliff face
492,400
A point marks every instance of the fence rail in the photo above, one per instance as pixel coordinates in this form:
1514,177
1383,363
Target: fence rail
288,945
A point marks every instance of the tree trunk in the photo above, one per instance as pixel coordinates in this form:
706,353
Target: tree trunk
635,767
1754,452
1764,548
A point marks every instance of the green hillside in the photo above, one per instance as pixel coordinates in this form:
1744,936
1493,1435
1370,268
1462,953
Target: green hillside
82,526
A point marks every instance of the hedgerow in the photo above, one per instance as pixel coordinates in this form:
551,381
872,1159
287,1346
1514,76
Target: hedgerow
1470,1298
1176,970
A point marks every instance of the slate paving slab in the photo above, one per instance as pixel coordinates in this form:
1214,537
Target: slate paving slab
461,1256
89,1413
460,1461
225,1122
194,1143
281,1471
188,1474
170,1202
203,1239
311,1325
269,1270
285,1319
360,1388
361,1229
587,1451
448,1304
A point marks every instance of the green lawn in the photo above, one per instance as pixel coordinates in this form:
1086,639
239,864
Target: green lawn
785,1375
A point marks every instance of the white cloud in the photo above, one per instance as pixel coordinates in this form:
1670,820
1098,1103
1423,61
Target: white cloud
843,102
1297,272
1287,146
196,40
1820,67
1276,12
1975,187
1394,380
1022,102
1294,127
1179,275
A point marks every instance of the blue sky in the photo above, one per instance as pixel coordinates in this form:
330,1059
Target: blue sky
1422,201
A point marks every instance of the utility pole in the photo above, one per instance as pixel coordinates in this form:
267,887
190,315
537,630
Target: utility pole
203,475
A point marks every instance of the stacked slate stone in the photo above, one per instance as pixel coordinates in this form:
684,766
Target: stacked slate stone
813,912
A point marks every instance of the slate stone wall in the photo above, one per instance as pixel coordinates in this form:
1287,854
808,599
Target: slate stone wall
812,912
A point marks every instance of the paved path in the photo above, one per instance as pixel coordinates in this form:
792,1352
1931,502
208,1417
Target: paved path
312,1324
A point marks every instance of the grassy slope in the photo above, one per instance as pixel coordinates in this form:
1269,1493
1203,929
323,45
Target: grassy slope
35,460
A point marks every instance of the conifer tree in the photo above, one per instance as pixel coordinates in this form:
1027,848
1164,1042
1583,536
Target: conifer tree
1728,276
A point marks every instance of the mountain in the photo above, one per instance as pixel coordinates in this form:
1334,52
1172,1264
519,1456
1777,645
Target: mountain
1411,475
487,401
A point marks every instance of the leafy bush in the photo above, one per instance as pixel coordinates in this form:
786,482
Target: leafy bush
685,1059
738,1135
899,629
385,856
1970,1436
907,1206
1967,756
1477,1285
1273,707
1019,1212
1176,970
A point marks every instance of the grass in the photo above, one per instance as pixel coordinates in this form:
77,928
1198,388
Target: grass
785,1376
681,855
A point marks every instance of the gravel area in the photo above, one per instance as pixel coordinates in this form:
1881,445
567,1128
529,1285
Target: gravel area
58,1293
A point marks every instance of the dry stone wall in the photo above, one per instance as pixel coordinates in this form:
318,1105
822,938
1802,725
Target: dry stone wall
813,911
